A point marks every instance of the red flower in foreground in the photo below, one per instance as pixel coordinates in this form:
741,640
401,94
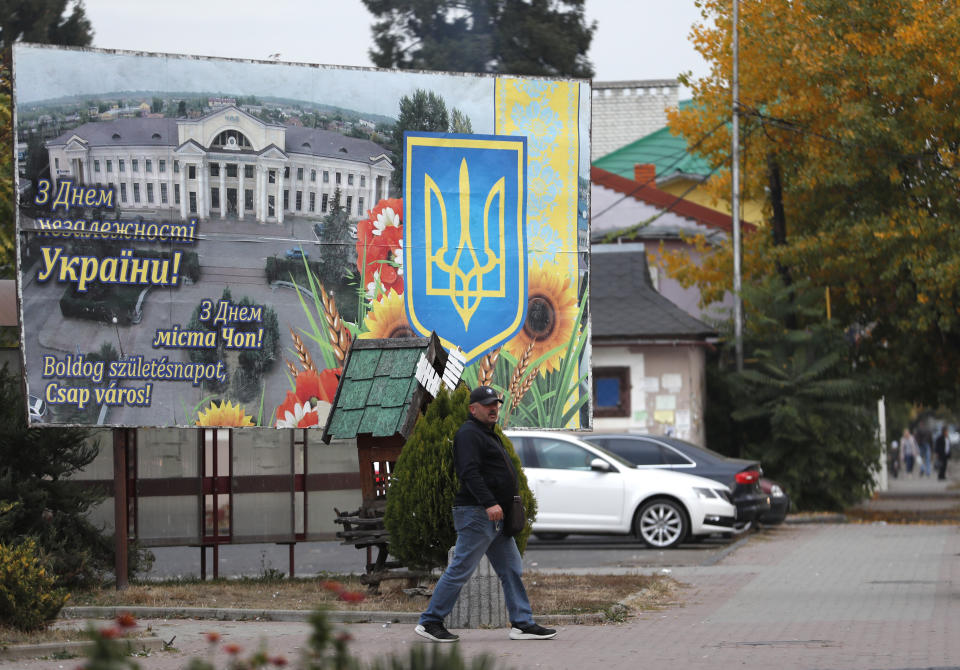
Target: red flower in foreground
335,587
300,409
213,637
279,661
111,633
126,620
232,648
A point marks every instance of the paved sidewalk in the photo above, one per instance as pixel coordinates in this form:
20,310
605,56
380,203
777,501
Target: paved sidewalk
844,596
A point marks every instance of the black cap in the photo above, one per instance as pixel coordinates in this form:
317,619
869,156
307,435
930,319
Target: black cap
484,395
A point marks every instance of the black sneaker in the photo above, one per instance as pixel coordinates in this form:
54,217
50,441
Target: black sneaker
436,632
531,632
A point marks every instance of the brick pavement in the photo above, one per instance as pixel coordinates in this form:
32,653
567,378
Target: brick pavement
823,596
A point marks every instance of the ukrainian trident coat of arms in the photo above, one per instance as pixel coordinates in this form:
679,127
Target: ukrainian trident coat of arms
465,250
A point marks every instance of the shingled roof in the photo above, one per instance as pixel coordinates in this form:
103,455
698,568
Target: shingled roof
379,394
625,305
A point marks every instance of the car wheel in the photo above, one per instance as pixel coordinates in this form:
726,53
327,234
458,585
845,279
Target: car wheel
661,523
550,536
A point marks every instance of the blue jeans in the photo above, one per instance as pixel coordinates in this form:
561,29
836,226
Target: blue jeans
476,536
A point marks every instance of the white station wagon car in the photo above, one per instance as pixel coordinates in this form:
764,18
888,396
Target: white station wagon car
582,488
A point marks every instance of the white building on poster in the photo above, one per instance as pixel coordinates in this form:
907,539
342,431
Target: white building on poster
227,164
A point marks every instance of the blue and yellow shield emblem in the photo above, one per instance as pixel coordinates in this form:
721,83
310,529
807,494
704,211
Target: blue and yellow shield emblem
465,249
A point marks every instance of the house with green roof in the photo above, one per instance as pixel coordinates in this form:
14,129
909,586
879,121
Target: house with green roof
663,159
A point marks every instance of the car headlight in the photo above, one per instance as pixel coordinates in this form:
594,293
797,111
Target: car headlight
705,493
776,491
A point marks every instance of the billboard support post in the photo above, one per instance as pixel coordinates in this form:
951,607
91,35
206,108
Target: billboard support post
120,520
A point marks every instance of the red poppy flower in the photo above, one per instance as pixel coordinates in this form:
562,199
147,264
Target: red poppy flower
126,620
213,637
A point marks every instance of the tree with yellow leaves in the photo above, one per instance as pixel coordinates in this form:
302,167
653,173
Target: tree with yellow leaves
850,117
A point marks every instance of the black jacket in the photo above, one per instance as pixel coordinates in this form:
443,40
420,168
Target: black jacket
478,456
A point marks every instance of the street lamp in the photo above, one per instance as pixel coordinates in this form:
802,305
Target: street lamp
119,343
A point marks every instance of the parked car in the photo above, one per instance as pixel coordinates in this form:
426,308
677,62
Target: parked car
583,488
779,502
296,254
655,451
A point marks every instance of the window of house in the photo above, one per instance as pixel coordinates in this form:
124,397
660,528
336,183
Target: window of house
360,206
248,171
313,202
326,176
232,170
349,203
96,166
299,201
109,166
363,180
338,178
123,192
121,165
176,194
56,163
313,175
350,180
136,193
162,166
299,174
163,194
148,165
215,198
323,203
272,176
611,391
191,172
150,193
176,167
286,172
286,199
214,169
135,164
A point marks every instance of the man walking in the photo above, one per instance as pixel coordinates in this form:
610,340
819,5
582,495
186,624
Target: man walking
487,482
942,450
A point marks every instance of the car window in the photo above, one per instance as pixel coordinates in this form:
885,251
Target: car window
520,448
638,452
560,455
674,457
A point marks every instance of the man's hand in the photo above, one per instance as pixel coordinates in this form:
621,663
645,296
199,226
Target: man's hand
495,513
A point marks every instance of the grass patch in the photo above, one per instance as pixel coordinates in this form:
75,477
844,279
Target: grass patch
71,633
549,594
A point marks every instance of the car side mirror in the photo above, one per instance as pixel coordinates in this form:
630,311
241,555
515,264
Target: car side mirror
600,465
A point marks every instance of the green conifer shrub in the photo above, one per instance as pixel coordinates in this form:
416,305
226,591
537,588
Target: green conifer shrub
419,513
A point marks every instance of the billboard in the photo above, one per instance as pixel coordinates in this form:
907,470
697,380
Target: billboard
201,240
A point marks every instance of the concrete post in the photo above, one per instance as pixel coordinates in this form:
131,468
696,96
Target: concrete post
481,603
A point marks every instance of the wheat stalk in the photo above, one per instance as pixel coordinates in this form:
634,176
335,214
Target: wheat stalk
515,385
527,383
292,368
487,365
340,336
302,354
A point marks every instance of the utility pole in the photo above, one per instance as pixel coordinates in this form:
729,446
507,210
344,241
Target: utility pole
735,196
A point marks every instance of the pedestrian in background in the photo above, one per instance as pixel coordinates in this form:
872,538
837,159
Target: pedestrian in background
923,445
909,449
941,448
487,486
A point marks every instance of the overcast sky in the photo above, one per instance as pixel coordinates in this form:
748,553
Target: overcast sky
635,39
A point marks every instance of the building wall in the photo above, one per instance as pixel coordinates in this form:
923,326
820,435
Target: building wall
624,111
667,389
680,187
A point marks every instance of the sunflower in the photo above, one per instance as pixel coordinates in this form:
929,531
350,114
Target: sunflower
388,318
224,414
551,315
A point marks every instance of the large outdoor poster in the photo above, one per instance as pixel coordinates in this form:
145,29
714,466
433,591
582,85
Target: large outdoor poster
201,240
